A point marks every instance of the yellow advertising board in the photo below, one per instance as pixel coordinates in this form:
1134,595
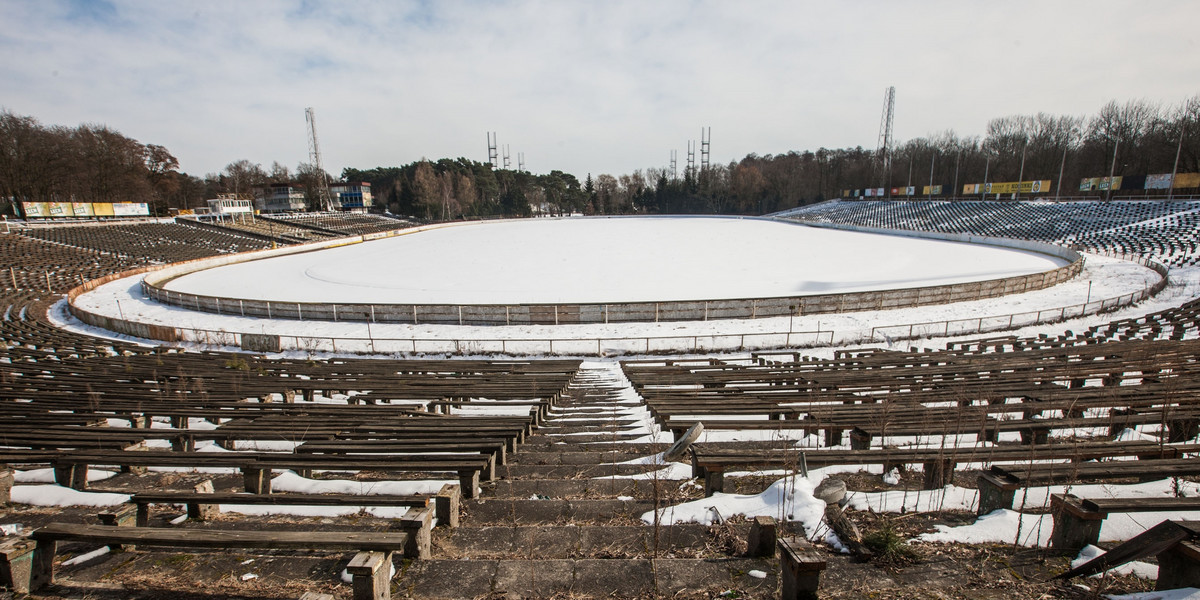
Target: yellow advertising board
35,209
102,209
933,190
1187,180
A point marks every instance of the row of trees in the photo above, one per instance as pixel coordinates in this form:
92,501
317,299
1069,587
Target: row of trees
88,163
1145,137
463,188
95,163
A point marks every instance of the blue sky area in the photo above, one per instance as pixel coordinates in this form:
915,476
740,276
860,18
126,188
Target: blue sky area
583,87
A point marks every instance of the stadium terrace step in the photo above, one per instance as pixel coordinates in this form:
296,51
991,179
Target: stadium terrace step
578,541
571,471
498,511
594,427
587,578
610,487
584,438
576,455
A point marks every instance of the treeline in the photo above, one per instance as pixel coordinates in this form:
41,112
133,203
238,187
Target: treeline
87,163
1144,136
463,188
95,163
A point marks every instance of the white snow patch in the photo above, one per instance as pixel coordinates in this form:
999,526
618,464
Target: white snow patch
57,495
1136,568
82,558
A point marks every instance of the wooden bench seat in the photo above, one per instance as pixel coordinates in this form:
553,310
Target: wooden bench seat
1077,521
48,537
492,446
446,502
939,463
71,467
998,486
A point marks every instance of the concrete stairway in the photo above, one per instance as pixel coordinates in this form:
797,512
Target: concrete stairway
565,517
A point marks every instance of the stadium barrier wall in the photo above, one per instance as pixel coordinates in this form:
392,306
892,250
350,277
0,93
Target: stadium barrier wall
601,346
592,313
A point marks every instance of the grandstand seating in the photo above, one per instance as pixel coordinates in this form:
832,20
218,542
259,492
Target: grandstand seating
148,243
70,401
345,223
1164,231
304,227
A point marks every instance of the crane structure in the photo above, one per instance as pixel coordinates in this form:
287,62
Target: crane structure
314,157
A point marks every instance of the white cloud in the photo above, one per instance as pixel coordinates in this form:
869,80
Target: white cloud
582,87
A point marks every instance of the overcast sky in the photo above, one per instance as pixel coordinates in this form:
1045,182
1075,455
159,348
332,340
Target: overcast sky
583,87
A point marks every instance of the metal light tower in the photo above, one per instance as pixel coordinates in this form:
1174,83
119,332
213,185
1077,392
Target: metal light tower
493,157
314,157
884,150
705,142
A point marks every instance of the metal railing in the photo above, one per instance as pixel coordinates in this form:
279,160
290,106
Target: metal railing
989,324
583,346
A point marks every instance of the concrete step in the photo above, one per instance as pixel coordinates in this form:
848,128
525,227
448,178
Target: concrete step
589,488
566,444
597,426
588,578
572,457
587,541
514,511
585,437
524,471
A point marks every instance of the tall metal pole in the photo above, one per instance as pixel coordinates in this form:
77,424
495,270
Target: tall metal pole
932,162
986,165
1175,169
1021,173
1112,171
957,159
1061,166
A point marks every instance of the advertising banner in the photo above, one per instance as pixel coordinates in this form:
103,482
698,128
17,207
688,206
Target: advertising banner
1018,187
1187,180
1158,182
59,210
35,209
131,209
931,190
102,209
82,209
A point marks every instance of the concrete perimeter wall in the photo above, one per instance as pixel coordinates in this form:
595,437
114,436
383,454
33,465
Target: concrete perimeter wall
561,314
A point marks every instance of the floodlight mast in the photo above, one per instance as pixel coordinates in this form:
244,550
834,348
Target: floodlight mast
884,150
314,156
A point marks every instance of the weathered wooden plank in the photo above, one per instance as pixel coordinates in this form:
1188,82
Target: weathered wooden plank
333,541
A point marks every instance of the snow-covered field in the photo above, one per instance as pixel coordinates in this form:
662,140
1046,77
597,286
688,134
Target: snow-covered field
611,260
1102,278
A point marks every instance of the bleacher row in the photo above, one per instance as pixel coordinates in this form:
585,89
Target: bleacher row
301,228
1164,231
148,243
345,223
72,403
